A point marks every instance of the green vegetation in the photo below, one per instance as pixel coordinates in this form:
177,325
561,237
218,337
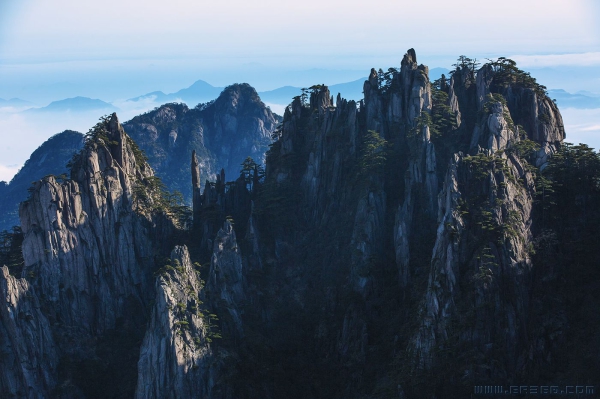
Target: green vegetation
212,329
173,270
388,81
570,187
507,74
276,135
492,221
465,62
97,135
10,250
566,247
526,150
140,156
100,131
443,120
150,195
374,154
253,173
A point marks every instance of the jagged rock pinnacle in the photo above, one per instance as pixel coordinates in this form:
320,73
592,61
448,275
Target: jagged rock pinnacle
195,171
410,56
196,197
117,134
373,78
114,122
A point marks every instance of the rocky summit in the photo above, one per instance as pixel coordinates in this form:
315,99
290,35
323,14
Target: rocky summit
224,132
427,241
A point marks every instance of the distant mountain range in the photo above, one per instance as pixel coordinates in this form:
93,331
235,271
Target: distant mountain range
76,104
13,102
581,100
199,92
203,92
234,126
14,105
284,95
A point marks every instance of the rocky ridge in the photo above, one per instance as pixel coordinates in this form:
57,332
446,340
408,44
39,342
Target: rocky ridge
389,251
450,165
98,301
89,248
222,132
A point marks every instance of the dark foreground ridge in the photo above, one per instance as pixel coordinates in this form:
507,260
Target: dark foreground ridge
433,238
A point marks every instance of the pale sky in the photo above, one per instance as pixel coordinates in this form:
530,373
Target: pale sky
285,32
117,49
45,42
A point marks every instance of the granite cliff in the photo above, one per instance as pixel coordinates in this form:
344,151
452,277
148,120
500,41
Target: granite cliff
410,245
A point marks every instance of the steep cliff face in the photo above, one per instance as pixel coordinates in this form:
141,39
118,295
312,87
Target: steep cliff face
29,358
96,284
176,359
421,172
225,280
223,133
438,177
479,287
88,240
89,247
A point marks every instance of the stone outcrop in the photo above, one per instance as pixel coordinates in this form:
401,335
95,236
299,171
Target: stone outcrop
88,240
483,247
454,207
89,249
422,163
196,194
28,352
176,359
225,280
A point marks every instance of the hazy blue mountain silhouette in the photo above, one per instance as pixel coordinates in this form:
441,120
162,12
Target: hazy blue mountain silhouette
581,100
76,104
14,102
199,92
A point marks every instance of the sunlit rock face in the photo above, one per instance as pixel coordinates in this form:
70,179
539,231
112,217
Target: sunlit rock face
176,359
89,250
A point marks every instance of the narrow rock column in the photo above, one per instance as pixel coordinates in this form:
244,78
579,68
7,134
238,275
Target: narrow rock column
196,200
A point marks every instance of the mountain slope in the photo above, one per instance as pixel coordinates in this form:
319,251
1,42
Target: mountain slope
223,133
93,269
